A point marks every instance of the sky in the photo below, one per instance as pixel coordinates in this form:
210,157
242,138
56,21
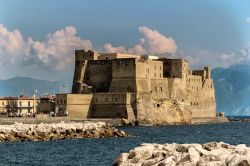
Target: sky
38,38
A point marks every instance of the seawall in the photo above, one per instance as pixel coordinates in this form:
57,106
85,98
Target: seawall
113,121
209,120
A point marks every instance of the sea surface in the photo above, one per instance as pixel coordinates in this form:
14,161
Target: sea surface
104,151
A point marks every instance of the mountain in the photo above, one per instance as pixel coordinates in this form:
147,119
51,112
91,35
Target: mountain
25,85
232,89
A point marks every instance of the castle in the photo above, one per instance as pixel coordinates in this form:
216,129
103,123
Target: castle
142,88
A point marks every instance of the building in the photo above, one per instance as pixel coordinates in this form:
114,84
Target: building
145,89
22,105
46,104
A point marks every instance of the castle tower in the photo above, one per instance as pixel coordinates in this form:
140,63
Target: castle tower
208,72
81,60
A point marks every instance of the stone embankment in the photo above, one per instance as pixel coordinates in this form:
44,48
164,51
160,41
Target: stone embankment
210,154
56,131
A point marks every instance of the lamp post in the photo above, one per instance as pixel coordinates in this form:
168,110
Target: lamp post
34,102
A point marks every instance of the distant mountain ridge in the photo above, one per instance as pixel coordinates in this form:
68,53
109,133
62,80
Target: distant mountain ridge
232,88
26,85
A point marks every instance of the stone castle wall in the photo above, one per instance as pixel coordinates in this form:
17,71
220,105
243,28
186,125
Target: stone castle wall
159,90
78,106
113,105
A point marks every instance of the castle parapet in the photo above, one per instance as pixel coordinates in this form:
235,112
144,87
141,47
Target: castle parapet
205,73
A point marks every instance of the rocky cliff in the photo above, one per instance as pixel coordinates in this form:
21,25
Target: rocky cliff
164,111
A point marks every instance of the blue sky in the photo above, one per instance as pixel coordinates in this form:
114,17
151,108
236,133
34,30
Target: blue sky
207,32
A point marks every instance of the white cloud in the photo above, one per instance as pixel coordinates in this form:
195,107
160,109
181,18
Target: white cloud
242,57
109,48
11,45
201,58
248,20
152,42
55,53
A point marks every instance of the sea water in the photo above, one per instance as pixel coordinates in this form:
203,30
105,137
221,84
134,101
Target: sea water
104,151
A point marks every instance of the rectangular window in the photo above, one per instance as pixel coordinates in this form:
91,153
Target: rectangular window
106,99
2,103
116,99
29,103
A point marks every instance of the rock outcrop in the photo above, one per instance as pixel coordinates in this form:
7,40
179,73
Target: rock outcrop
56,131
210,154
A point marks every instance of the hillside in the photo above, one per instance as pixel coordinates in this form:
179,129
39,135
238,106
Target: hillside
25,85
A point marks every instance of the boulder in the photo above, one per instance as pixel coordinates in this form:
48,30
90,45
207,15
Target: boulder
210,154
193,154
120,159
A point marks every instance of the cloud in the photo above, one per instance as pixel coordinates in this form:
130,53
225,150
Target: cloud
11,45
55,53
152,42
248,20
242,57
200,58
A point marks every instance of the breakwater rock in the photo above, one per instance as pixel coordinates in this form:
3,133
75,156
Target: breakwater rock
56,131
210,154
